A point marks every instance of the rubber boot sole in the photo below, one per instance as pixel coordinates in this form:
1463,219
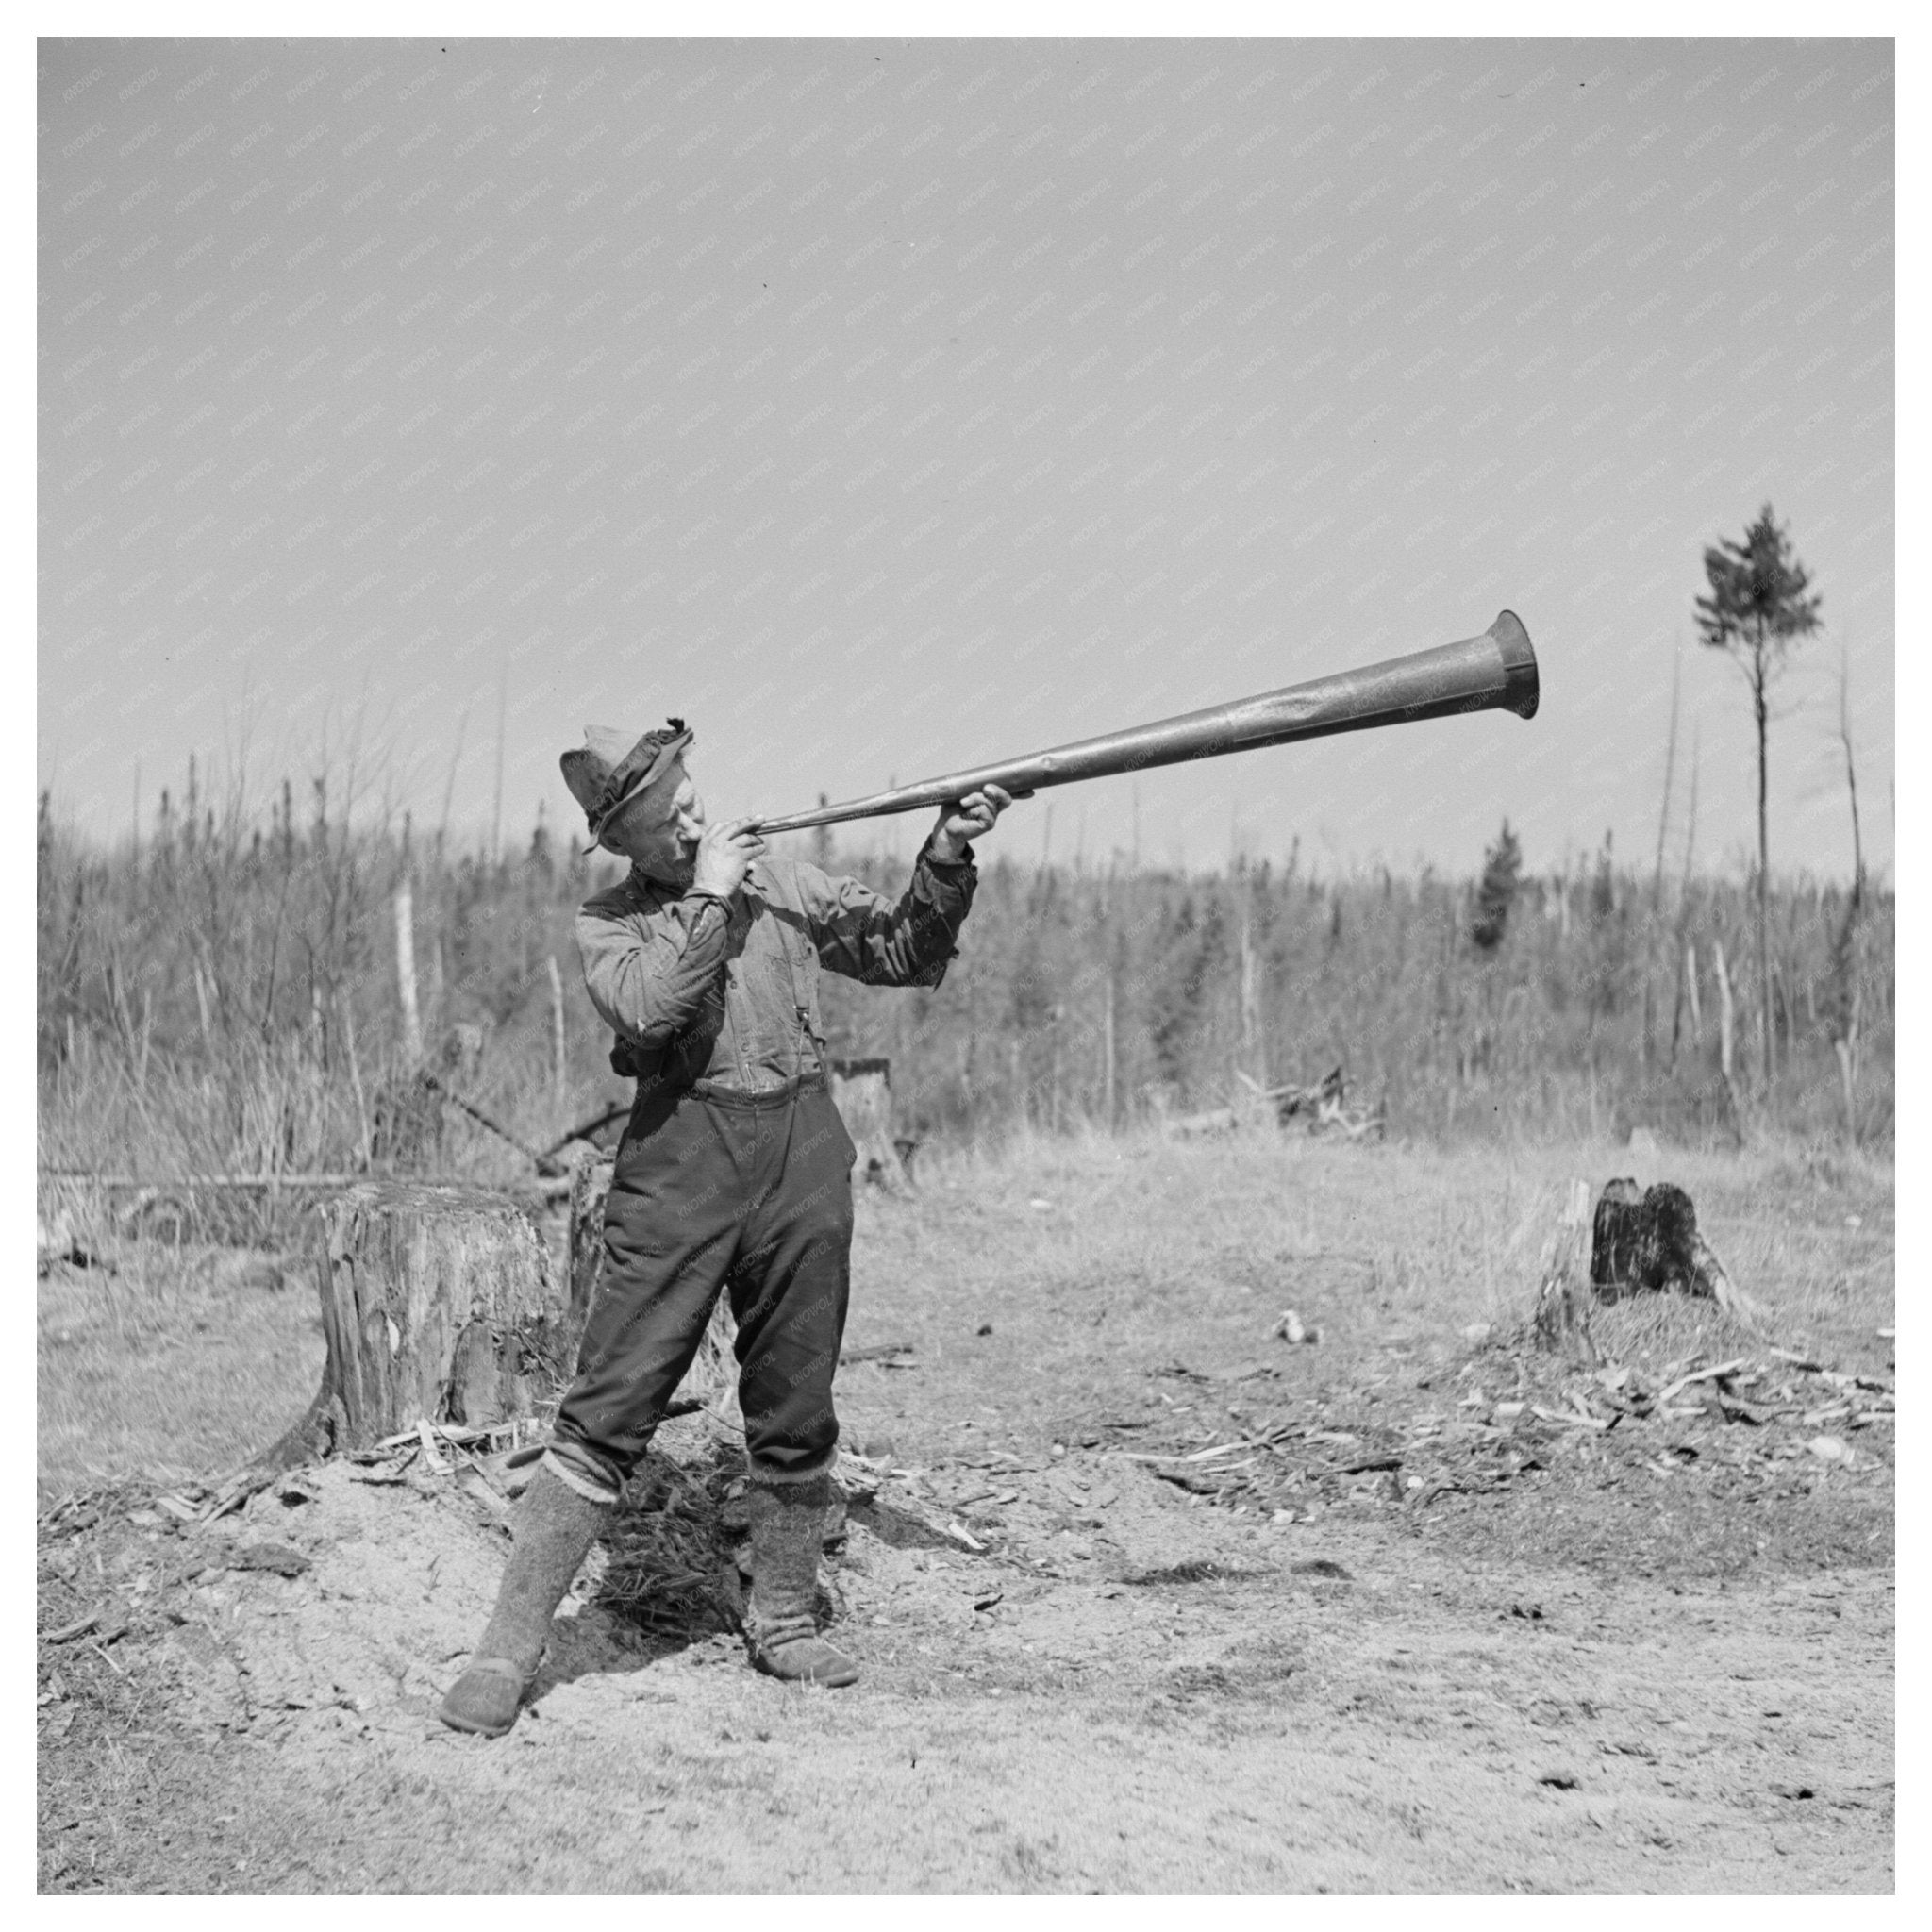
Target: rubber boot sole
832,1669
486,1717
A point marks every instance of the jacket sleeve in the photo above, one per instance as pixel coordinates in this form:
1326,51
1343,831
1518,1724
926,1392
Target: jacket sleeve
650,974
867,937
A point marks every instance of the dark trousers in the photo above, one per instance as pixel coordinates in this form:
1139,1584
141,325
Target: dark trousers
750,1193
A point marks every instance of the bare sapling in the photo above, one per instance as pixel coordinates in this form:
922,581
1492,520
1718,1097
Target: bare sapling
558,1058
406,971
1687,977
1846,962
1663,817
1725,1021
1560,1321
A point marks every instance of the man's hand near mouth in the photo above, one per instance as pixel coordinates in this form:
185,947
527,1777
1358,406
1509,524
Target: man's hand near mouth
724,856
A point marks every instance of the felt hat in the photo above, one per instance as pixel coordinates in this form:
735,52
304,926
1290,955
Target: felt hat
610,769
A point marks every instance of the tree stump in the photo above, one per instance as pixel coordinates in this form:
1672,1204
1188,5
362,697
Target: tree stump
1561,1321
1650,1243
862,1092
438,1302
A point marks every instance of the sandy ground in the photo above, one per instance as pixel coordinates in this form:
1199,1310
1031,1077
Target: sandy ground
1297,1709
1414,1644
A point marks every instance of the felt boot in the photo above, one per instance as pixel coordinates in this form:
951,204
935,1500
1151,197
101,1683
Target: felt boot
787,1529
553,1530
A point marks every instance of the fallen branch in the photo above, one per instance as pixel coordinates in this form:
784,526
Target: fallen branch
544,1164
1187,1479
609,1117
1716,1375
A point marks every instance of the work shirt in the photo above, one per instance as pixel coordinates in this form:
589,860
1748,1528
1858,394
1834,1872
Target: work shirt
697,988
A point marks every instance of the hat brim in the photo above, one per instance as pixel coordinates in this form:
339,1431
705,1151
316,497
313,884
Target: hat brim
662,775
624,787
605,788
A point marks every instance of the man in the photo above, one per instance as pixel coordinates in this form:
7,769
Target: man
734,1172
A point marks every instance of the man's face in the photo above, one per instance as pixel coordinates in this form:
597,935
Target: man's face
658,830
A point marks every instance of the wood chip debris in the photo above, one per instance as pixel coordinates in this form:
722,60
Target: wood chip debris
431,1460
1758,1396
450,1432
1199,1455
884,1353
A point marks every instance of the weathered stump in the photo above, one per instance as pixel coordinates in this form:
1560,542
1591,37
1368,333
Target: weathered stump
1650,1243
438,1304
1561,1321
862,1092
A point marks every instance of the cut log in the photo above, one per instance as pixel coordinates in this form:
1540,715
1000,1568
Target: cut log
438,1302
862,1092
1321,1109
1324,1101
1561,1321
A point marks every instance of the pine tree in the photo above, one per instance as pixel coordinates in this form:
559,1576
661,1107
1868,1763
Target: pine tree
1496,893
1757,605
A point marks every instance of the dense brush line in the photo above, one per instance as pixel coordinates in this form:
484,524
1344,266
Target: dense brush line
218,998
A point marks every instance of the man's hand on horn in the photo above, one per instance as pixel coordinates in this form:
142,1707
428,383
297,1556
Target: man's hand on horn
972,818
724,855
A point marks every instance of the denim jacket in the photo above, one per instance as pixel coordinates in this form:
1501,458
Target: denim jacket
726,991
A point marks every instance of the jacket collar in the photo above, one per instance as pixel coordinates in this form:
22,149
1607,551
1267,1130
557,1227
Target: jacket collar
652,892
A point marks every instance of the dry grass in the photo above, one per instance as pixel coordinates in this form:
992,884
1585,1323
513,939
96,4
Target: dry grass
1098,1263
663,1571
1102,1260
178,1364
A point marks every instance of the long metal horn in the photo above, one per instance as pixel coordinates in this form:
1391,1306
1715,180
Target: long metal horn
1495,672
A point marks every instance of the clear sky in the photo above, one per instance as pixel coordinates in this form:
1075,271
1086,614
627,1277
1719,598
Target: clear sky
884,406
